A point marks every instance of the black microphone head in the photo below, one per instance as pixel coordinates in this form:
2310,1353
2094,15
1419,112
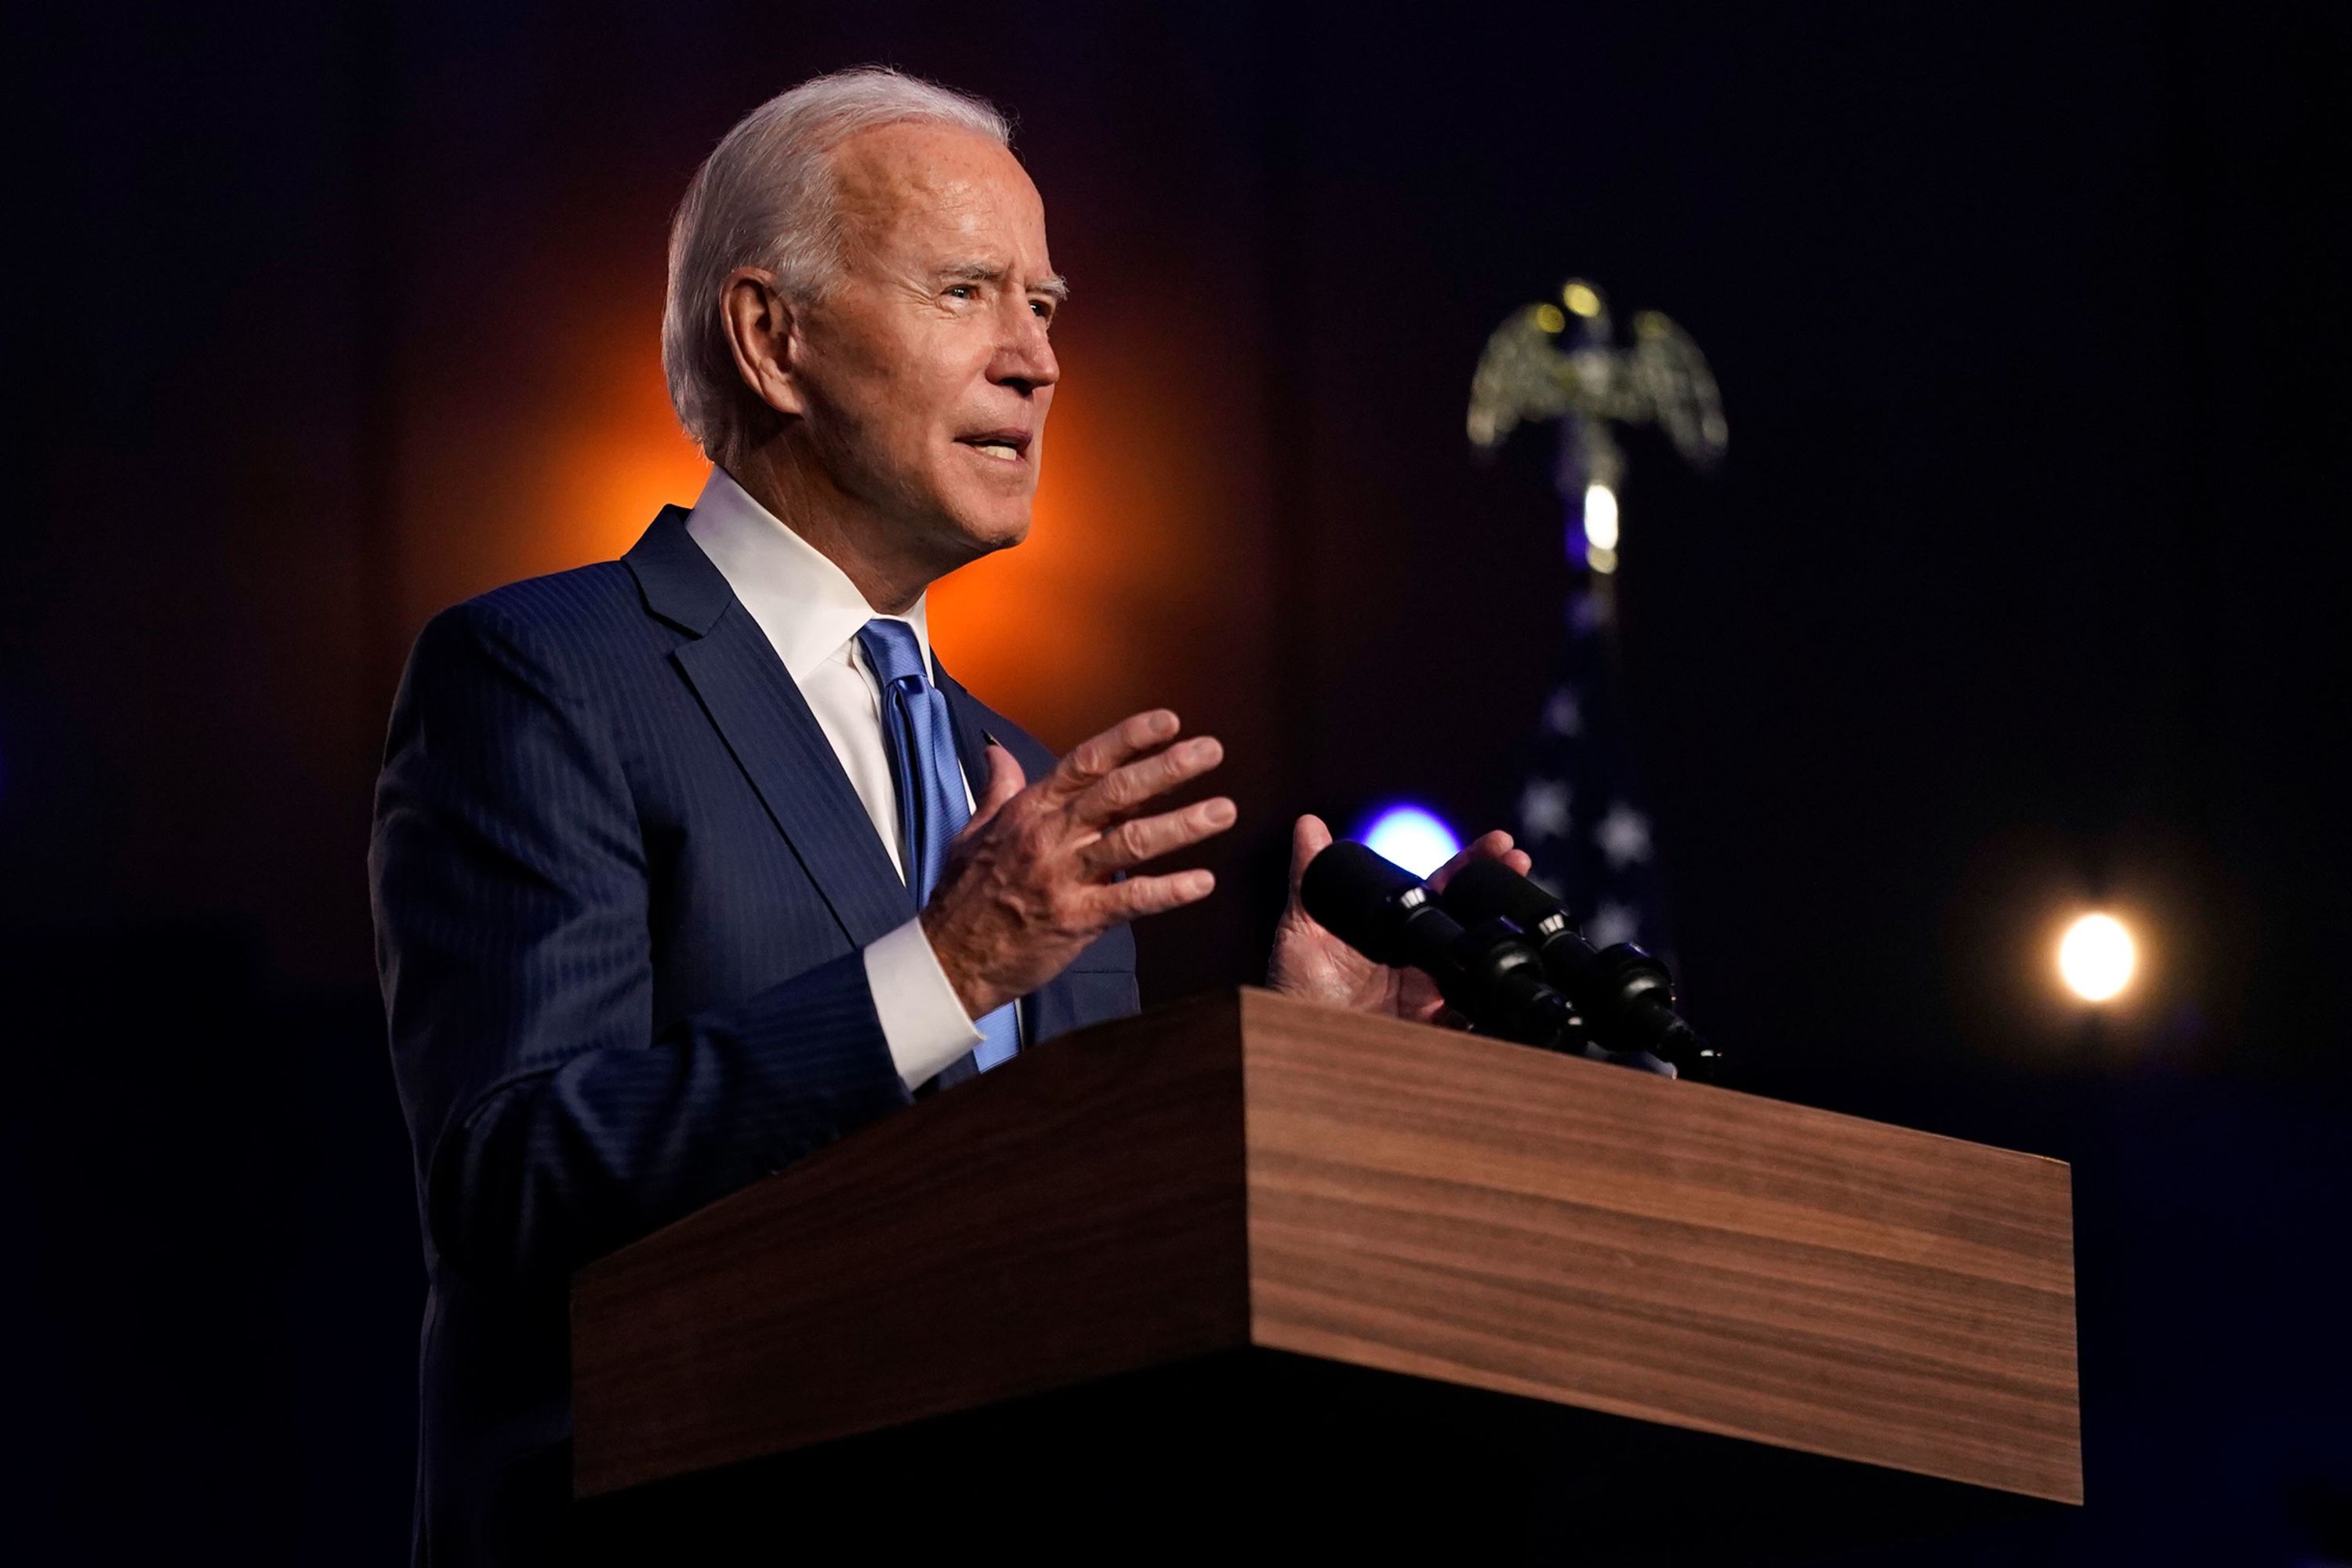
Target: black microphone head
1362,898
1485,889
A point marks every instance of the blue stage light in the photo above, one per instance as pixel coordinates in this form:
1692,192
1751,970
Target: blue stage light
1415,838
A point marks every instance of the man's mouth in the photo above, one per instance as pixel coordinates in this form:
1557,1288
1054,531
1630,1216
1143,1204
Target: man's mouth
1004,446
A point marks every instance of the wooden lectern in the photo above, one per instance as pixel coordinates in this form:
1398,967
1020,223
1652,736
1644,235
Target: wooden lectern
1247,1265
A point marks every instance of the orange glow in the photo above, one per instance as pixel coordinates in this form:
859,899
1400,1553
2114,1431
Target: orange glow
620,461
527,451
1061,630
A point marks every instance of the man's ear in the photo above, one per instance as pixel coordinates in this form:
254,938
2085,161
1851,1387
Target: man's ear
764,332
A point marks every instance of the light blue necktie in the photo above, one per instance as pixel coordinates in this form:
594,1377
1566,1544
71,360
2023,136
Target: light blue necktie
919,735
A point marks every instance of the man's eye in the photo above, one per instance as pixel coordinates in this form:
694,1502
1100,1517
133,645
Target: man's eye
1043,308
963,290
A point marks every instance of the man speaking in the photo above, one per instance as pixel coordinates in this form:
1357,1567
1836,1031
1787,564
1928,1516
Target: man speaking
686,864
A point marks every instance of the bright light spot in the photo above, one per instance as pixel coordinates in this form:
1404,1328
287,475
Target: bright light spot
1600,517
1549,318
1414,839
2096,957
1602,561
1581,299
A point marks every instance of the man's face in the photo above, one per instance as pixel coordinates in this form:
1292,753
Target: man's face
925,372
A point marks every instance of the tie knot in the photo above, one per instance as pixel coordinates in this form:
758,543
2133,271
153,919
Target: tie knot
891,648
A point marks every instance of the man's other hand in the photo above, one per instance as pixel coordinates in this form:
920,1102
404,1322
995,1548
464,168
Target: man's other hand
1309,961
1035,876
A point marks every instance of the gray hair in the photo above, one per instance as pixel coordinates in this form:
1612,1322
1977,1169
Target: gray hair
765,198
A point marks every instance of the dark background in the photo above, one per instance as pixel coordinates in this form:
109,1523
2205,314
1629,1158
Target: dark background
2022,587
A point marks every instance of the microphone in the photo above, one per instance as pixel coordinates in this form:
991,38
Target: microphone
1624,997
1390,915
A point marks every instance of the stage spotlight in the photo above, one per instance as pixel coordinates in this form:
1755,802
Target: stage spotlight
1415,839
2096,956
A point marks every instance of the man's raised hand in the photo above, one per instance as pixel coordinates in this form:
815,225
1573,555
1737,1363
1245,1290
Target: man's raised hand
1033,878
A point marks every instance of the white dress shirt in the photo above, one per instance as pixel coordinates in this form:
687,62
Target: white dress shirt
811,613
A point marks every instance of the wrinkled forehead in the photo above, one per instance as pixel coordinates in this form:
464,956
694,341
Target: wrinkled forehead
905,191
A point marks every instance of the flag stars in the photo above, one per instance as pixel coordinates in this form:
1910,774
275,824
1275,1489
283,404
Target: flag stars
1584,614
1623,836
1543,809
1611,923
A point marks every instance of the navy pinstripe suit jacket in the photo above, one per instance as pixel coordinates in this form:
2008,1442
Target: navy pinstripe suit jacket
621,886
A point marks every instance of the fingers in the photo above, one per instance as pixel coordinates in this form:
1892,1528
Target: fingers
1093,760
1310,837
1005,780
1142,838
1140,896
1125,789
1494,845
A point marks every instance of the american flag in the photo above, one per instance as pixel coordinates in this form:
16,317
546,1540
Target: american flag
1581,818
1579,813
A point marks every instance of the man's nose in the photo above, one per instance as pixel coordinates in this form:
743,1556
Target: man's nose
1025,360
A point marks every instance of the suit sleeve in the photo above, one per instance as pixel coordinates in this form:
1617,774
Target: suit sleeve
552,1123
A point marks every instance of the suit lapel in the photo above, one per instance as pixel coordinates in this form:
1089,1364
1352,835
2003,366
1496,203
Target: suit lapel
970,727
766,723
1046,1011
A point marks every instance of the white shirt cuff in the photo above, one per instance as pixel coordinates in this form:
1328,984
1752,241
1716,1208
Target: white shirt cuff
923,1022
